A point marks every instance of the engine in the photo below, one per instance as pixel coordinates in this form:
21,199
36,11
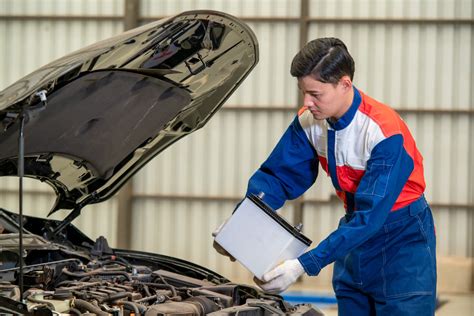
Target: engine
114,287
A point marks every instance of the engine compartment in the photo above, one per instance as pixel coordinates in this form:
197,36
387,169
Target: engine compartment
111,285
73,276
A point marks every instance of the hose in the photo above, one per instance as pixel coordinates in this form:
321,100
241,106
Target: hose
132,306
147,290
95,272
88,295
124,287
117,296
106,262
73,310
82,286
81,304
162,286
160,298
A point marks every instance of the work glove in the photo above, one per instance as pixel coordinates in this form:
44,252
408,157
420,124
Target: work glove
281,277
218,247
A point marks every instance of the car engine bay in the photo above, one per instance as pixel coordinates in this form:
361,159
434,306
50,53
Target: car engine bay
92,278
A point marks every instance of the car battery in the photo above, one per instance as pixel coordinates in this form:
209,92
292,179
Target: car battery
260,239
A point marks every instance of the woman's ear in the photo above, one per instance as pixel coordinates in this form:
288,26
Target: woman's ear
346,83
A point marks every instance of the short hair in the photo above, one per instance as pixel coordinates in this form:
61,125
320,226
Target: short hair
326,59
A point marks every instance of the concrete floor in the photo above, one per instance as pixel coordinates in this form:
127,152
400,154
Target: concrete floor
456,304
459,304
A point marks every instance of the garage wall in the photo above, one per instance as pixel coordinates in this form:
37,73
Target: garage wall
33,33
414,55
423,68
29,41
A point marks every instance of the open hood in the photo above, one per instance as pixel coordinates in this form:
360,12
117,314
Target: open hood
114,105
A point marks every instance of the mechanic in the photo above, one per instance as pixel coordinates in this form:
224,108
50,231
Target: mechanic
384,246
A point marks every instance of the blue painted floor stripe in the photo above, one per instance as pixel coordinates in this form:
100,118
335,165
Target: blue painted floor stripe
297,297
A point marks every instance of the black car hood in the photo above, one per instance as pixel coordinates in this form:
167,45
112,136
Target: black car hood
113,106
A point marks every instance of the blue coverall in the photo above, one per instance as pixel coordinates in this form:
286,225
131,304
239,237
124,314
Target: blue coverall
384,246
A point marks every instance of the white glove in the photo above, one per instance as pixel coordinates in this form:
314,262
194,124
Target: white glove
218,247
218,229
281,277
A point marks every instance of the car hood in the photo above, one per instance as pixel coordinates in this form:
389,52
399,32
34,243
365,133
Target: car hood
114,105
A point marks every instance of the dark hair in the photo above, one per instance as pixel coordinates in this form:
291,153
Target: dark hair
326,59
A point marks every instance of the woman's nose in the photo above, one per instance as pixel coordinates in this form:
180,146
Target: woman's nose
308,101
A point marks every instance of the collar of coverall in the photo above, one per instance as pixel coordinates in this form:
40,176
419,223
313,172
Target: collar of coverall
346,119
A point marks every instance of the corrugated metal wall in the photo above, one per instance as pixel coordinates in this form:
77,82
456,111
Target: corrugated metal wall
414,55
27,42
417,66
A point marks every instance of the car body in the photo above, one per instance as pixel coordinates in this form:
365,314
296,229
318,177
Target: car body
91,120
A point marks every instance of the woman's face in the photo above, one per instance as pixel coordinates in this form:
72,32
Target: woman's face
326,100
